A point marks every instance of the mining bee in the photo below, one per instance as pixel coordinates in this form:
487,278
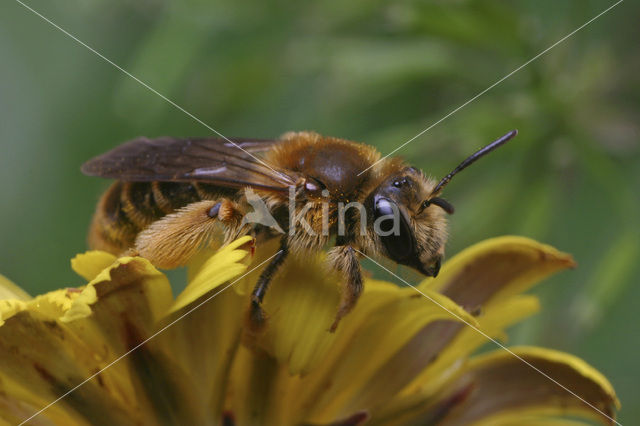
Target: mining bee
174,196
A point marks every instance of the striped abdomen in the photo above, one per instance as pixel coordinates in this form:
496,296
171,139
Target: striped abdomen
126,208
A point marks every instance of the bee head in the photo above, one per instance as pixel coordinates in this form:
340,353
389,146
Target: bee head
406,228
409,222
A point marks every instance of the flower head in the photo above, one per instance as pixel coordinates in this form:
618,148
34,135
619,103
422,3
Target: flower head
123,350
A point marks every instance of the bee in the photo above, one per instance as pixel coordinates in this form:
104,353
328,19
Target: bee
174,196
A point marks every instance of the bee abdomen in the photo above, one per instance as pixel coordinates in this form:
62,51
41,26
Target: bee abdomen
138,203
111,229
170,196
126,208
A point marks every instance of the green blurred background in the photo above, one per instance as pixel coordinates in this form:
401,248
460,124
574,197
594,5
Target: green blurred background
371,71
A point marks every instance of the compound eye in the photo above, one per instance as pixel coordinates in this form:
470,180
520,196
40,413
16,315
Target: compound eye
393,230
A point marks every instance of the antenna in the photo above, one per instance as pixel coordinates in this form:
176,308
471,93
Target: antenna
472,158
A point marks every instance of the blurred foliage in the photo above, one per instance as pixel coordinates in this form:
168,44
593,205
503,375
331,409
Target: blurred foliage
372,71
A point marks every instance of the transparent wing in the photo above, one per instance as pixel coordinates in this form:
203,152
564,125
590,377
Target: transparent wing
214,161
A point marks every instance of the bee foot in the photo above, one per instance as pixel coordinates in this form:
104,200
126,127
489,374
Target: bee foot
257,317
335,324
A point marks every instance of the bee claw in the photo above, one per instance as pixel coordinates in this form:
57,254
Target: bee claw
257,318
436,267
335,324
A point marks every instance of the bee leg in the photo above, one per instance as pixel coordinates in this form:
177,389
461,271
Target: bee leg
345,260
436,266
256,314
171,241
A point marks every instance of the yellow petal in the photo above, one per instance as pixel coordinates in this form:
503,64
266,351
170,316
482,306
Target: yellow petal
204,343
340,371
124,272
205,337
130,298
481,279
9,308
466,341
54,304
495,269
534,418
500,384
397,350
484,276
41,360
18,403
8,290
89,264
263,392
300,305
82,306
253,391
225,265
53,344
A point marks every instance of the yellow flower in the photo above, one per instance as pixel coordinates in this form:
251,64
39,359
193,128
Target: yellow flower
121,350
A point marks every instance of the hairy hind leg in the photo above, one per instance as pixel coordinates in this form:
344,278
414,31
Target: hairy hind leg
171,241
